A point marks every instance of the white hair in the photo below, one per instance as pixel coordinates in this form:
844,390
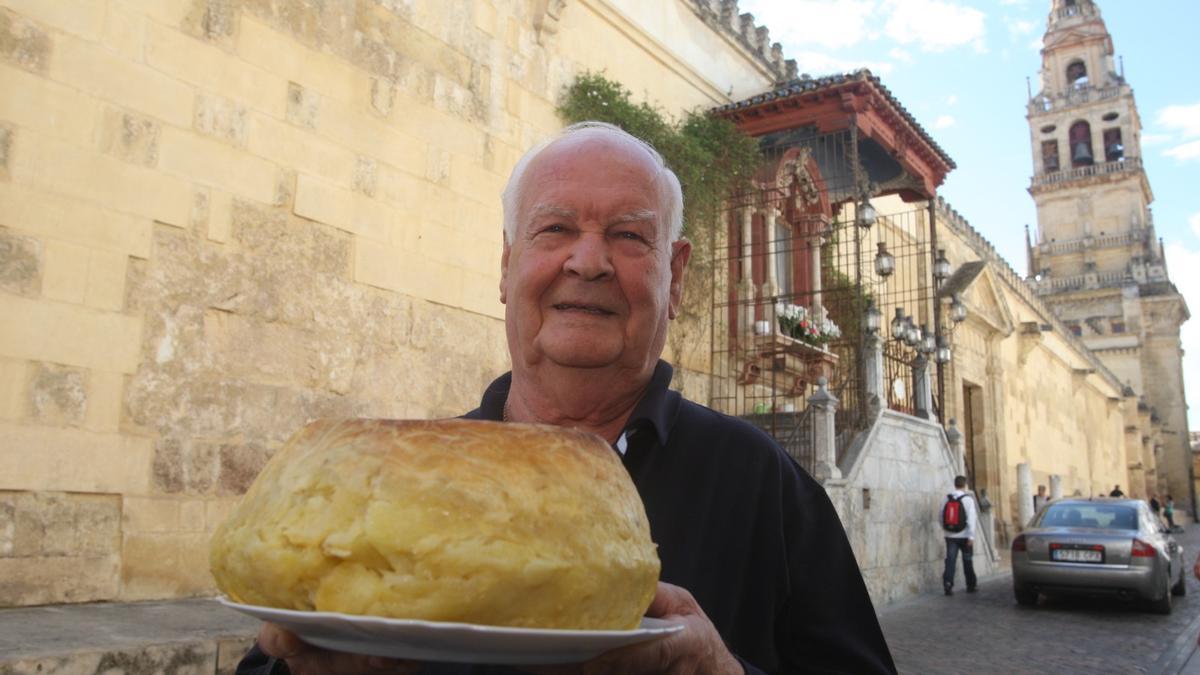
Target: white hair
669,190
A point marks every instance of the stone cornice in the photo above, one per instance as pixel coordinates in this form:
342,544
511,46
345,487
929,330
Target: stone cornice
724,17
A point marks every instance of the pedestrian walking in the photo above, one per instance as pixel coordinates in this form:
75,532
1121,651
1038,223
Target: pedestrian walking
1169,513
959,515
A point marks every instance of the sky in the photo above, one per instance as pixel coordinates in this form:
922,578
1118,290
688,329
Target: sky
960,68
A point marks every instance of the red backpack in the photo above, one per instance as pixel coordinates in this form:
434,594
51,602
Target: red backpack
954,516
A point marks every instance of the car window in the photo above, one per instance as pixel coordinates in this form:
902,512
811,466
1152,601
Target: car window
1097,516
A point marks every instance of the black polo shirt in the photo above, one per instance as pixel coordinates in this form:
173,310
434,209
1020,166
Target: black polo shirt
745,530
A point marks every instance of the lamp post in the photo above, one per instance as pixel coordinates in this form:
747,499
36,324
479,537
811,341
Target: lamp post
928,345
885,263
912,334
866,214
873,318
898,325
941,266
958,311
943,350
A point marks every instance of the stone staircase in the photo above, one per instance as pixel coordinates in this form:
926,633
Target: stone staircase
177,637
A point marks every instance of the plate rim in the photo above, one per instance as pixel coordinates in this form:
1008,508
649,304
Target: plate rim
666,628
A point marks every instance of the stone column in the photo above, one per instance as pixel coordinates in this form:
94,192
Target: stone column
747,280
772,285
1055,486
824,405
955,438
873,371
1024,494
815,245
922,391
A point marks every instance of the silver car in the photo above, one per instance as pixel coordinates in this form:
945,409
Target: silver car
1098,546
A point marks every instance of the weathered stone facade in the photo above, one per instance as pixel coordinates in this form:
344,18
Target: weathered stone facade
220,219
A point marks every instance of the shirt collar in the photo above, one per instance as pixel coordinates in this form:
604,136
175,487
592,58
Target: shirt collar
656,409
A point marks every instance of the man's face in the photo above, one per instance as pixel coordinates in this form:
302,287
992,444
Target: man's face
591,279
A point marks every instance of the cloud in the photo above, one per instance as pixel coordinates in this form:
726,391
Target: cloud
1185,152
900,55
1182,119
1184,265
943,122
935,25
1194,221
1019,27
951,99
824,23
820,63
1156,139
1036,44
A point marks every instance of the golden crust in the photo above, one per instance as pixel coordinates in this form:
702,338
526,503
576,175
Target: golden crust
452,520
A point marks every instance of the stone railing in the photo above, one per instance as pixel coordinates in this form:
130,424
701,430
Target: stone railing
1093,280
1090,242
1129,164
1075,96
1076,10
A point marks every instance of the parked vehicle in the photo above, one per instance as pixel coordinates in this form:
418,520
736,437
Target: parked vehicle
1099,546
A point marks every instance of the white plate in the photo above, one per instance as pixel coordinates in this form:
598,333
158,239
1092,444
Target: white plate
456,642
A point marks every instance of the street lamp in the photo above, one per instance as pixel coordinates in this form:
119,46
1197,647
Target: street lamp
912,334
941,266
899,327
873,318
885,263
927,341
943,350
958,311
866,214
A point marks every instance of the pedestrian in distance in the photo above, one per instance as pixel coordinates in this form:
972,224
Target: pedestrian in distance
1116,492
1040,498
1169,513
959,516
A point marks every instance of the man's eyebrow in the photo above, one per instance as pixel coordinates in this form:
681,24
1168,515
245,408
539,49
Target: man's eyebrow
641,215
540,210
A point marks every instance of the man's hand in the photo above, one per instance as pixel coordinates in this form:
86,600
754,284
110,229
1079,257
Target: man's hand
697,649
305,659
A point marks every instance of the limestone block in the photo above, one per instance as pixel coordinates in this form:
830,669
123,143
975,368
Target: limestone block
365,175
54,166
69,334
212,20
185,466
342,208
57,395
220,216
14,376
210,162
269,235
221,118
290,146
60,217
23,42
124,31
240,465
277,53
66,274
47,106
58,579
46,458
129,137
151,514
106,75
6,137
348,125
20,264
303,106
156,565
81,17
383,95
213,69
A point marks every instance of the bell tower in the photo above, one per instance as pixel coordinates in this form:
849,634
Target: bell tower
1095,258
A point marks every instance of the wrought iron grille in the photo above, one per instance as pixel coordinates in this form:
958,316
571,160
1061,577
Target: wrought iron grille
795,242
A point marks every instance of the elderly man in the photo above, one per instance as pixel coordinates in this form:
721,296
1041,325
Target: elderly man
754,558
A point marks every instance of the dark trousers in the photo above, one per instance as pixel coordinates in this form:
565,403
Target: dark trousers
953,546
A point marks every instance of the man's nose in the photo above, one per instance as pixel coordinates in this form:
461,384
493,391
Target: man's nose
590,257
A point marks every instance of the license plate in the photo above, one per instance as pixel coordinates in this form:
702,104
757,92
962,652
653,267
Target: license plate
1076,555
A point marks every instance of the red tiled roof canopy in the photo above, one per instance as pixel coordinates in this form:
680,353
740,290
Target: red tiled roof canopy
833,104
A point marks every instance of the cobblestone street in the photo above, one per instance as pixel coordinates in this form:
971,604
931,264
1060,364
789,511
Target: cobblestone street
987,632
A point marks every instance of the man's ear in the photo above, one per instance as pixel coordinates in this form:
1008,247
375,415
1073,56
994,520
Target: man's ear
681,252
504,272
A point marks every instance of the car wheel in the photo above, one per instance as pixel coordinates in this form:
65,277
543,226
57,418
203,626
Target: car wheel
1025,597
1180,587
1163,604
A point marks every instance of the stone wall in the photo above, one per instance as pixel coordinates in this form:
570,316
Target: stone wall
895,480
220,219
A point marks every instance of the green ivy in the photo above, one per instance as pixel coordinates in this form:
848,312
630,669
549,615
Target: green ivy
712,158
